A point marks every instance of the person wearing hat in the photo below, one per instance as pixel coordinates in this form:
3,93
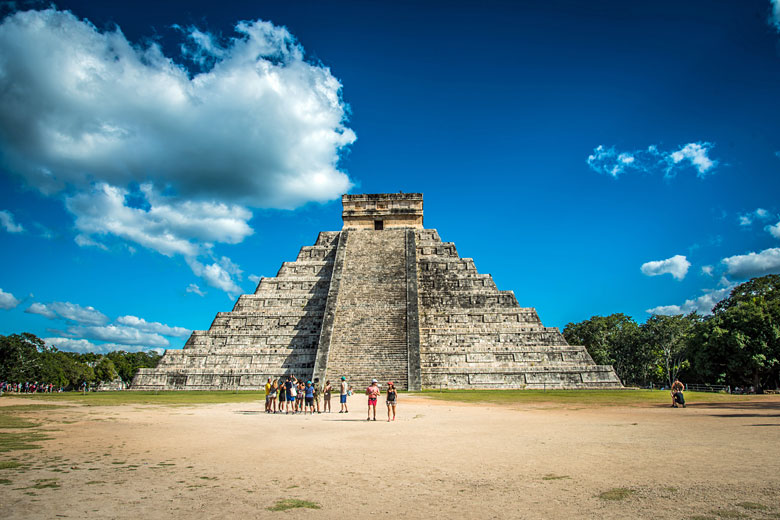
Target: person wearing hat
343,395
309,393
373,394
392,398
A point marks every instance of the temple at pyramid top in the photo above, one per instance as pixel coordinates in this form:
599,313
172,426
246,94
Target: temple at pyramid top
382,298
383,211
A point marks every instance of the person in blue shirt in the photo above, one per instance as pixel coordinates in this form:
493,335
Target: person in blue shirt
309,405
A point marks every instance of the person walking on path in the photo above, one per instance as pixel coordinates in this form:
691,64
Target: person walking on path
343,395
392,398
326,396
677,393
373,394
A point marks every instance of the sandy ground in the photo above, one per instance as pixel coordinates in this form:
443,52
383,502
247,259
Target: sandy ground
438,460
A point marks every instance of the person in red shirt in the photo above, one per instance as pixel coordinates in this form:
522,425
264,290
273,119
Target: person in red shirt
373,395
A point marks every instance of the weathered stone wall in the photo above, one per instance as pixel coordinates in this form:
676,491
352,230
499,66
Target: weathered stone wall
270,333
396,304
474,336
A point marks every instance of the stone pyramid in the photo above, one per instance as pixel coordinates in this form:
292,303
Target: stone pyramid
383,298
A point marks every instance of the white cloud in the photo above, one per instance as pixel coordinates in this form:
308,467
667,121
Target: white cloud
7,300
69,311
119,334
219,274
168,226
157,327
8,223
774,18
261,126
747,219
254,278
652,160
84,346
677,266
754,264
774,230
707,269
703,304
193,288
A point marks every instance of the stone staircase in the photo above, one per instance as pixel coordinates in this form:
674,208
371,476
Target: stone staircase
369,331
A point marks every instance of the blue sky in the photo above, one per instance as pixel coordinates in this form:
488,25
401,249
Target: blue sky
154,161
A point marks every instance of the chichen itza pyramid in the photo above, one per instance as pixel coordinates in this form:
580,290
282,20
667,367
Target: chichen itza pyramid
383,298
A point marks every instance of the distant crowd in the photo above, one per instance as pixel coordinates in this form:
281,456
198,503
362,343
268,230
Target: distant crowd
292,395
29,388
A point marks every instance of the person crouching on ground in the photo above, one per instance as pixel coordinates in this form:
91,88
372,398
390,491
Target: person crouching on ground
373,394
677,393
392,398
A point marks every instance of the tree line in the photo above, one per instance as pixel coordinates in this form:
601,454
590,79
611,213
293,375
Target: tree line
26,358
738,344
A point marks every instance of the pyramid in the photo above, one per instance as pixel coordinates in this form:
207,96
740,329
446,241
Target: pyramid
383,298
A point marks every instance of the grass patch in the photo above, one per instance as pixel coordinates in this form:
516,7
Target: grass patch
555,477
729,513
702,517
293,503
616,494
10,464
753,506
21,441
96,482
45,483
5,482
169,398
578,397
12,421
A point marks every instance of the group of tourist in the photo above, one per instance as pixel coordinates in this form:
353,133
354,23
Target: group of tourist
289,394
28,388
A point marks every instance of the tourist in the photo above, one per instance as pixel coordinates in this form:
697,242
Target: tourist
317,393
309,393
299,397
268,396
392,399
677,393
326,390
288,394
272,395
343,395
373,394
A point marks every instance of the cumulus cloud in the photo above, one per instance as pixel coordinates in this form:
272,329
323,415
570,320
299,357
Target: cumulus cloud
166,225
260,126
703,304
8,223
150,152
119,334
156,327
611,162
677,266
219,274
68,311
7,300
754,264
747,219
774,19
193,288
84,346
774,230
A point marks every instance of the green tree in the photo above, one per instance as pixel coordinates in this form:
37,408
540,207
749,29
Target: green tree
105,370
667,338
740,342
614,340
19,357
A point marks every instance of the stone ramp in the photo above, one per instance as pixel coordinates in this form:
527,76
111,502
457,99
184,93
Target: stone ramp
369,338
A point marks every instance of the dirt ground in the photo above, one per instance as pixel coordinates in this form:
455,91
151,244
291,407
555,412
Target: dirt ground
437,460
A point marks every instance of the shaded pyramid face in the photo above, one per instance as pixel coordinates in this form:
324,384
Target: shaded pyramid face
383,298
